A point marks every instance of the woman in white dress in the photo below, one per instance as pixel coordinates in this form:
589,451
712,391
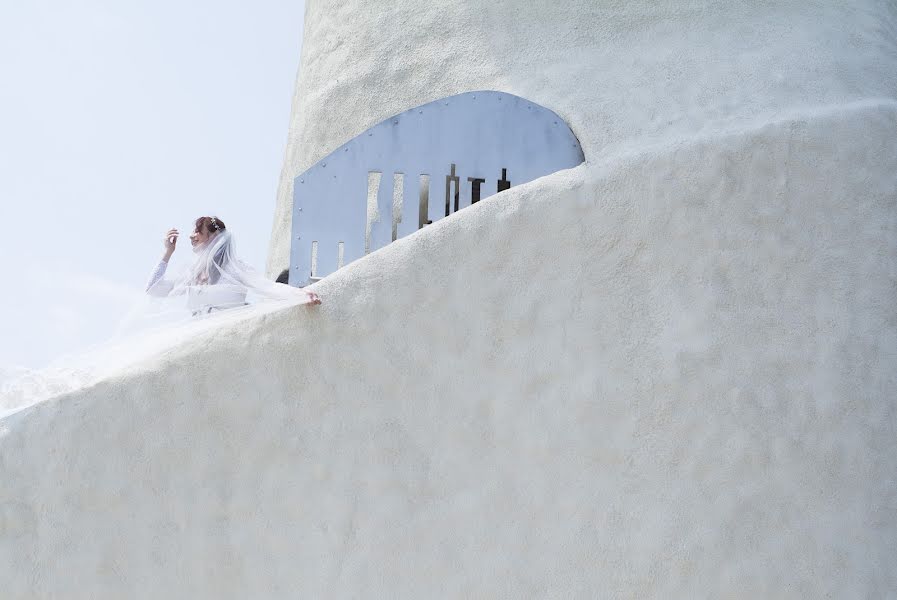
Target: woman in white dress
170,312
217,279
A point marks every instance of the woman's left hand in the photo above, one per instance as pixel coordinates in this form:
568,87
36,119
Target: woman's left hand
313,298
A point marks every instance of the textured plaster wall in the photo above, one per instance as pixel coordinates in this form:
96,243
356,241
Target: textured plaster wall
667,373
671,378
624,74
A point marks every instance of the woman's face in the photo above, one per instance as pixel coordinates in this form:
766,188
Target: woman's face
198,239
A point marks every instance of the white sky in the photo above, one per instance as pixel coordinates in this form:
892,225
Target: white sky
118,120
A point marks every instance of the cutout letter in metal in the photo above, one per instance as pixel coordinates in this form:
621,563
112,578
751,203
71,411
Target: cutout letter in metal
449,180
475,188
503,183
477,136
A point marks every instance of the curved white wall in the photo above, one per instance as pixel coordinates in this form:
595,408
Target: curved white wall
667,373
623,74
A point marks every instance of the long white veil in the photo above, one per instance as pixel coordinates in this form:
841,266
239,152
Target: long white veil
218,279
215,288
215,281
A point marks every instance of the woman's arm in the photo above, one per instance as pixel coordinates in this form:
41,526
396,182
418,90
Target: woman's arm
156,276
156,286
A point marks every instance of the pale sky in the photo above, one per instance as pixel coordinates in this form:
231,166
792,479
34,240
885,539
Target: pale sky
118,120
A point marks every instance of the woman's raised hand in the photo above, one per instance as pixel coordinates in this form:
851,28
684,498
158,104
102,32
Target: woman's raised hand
169,243
313,298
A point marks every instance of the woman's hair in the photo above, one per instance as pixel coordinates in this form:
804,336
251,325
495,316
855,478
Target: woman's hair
214,226
210,225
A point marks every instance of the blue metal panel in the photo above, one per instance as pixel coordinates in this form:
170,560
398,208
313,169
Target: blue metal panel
480,134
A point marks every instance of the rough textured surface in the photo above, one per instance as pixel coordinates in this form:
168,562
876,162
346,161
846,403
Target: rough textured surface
671,379
624,74
667,373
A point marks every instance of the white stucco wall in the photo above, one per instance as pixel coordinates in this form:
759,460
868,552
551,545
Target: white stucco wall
667,373
623,74
670,378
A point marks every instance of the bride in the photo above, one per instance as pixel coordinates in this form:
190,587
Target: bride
217,279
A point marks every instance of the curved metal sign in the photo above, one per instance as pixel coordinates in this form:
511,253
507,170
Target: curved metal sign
416,168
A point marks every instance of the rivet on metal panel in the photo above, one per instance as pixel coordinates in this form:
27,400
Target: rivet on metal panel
420,112
346,149
323,164
555,122
395,122
301,181
300,209
370,133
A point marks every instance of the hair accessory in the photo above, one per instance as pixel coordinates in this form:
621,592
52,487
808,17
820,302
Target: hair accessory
215,223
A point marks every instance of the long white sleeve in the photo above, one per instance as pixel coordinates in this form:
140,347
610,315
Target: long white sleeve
157,286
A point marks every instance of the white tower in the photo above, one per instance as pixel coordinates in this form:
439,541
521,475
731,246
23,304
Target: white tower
667,373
